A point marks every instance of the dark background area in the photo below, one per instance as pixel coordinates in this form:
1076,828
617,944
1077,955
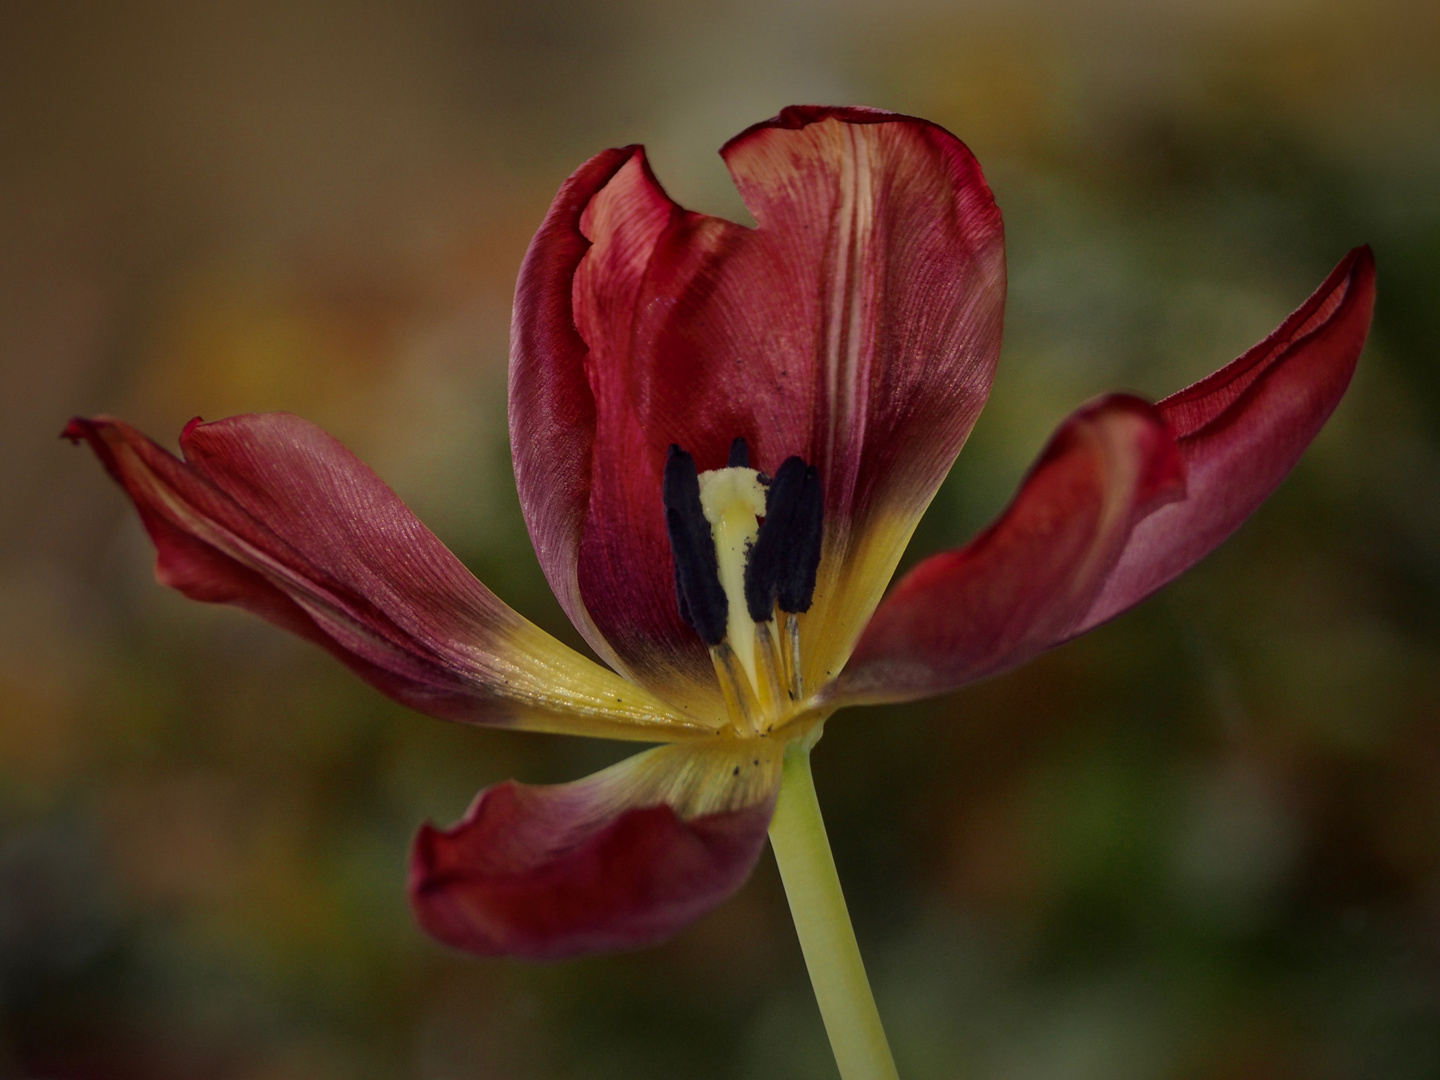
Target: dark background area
1201,844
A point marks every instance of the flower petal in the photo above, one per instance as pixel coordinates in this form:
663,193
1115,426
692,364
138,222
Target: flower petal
857,326
1021,585
273,515
1242,429
552,407
621,859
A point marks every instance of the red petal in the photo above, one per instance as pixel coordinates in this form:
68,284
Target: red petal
618,860
552,408
1020,586
273,515
1242,429
858,327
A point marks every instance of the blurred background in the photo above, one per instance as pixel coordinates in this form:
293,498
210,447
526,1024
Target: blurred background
1201,844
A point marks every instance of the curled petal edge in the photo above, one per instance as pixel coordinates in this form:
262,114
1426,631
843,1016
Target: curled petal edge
552,407
619,860
1231,438
270,514
1243,428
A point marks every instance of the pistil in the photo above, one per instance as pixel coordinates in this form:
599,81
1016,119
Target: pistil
733,502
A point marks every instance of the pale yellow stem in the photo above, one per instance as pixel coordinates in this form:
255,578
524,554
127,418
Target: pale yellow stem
822,922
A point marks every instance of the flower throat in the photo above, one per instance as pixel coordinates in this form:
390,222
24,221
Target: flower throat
746,547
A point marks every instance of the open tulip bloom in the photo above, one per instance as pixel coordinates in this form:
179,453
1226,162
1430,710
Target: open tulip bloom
723,438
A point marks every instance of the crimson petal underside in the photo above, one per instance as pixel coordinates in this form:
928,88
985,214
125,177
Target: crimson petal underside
271,514
1242,429
857,327
1020,586
620,859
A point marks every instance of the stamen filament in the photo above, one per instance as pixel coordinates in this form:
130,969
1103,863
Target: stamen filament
792,657
774,691
735,686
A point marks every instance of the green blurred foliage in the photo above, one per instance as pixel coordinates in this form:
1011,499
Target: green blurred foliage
1201,844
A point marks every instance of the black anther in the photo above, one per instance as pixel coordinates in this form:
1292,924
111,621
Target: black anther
697,571
796,587
739,454
785,557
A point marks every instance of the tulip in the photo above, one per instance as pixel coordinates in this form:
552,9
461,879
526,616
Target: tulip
723,438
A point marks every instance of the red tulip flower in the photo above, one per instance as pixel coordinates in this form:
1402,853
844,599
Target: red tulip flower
723,438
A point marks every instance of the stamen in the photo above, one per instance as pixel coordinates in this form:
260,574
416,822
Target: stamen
739,697
792,657
739,455
782,567
774,687
795,590
768,556
702,600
